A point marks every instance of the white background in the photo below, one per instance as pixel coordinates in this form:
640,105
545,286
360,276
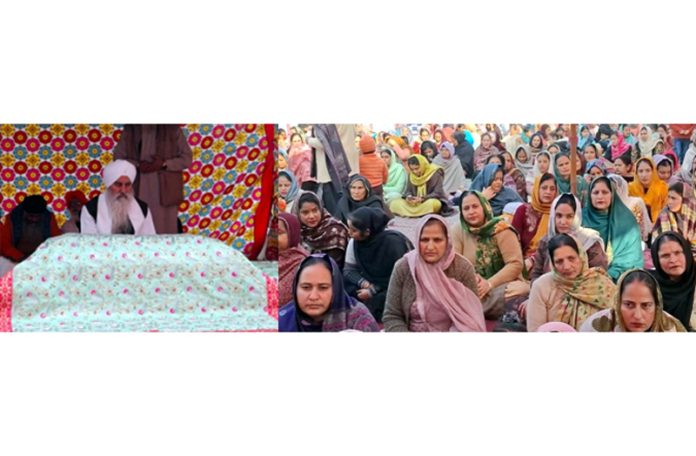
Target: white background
357,61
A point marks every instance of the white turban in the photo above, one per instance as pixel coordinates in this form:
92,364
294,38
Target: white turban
114,170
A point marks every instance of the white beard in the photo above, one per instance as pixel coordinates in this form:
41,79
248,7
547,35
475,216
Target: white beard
118,208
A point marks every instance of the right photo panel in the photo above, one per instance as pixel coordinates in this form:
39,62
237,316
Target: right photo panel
486,227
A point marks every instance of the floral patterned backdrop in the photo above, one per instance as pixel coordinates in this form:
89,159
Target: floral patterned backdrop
224,187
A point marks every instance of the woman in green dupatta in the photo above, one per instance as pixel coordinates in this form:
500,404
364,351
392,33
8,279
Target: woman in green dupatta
561,168
617,226
491,244
396,182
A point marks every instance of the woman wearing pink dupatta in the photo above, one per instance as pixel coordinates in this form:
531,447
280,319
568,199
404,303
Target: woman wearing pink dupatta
300,159
431,288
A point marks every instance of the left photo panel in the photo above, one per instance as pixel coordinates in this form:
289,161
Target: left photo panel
138,228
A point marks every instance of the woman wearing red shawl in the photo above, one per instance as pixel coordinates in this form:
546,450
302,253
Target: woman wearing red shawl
432,287
291,254
531,220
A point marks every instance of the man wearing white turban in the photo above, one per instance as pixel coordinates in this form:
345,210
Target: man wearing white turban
117,211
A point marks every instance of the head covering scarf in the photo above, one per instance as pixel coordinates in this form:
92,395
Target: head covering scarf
464,152
596,163
75,195
563,183
682,222
620,148
646,147
659,158
454,174
347,204
117,168
543,211
290,258
396,182
618,229
613,319
536,150
377,254
489,259
591,291
427,144
526,166
678,294
343,314
328,234
440,298
283,154
656,195
420,182
582,142
294,188
586,236
537,171
505,196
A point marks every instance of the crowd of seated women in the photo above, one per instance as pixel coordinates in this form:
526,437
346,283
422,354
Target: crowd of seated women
503,241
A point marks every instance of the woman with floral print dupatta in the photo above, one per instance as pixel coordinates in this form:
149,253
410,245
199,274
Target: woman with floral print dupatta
572,291
491,244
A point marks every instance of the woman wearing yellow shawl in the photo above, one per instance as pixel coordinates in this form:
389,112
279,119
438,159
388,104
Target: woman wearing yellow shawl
573,291
531,220
424,193
648,186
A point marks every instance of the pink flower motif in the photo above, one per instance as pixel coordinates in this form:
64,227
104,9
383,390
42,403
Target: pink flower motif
60,258
220,289
33,144
234,309
107,277
124,255
137,243
156,254
202,274
43,315
157,290
61,293
43,279
171,275
141,311
75,277
74,314
171,310
234,274
140,276
203,309
105,244
108,313
93,292
251,288
189,288
125,291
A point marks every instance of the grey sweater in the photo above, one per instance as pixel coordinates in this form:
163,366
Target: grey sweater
401,293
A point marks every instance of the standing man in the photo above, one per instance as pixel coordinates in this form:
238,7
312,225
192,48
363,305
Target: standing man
681,137
160,154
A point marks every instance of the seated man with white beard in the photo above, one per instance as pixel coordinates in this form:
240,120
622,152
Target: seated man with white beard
117,211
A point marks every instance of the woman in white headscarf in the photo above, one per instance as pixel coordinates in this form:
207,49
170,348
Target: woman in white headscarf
634,204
